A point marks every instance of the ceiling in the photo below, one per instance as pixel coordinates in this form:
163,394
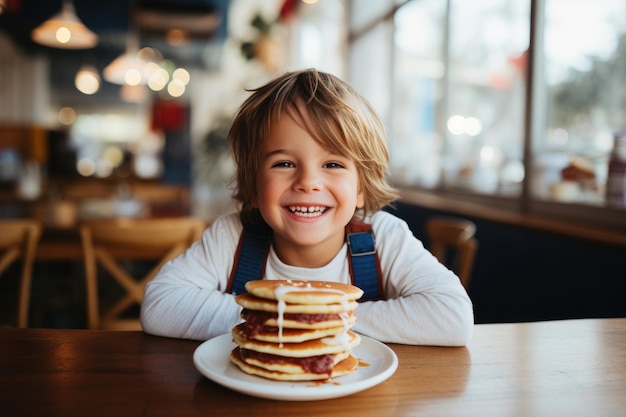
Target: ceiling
204,22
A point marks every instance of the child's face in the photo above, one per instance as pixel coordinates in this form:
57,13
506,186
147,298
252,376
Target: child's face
306,194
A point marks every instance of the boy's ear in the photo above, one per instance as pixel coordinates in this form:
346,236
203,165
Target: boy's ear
360,200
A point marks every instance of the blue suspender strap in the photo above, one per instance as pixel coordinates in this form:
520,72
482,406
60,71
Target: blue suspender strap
254,245
363,260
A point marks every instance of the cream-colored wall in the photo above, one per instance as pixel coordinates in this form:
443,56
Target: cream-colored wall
24,88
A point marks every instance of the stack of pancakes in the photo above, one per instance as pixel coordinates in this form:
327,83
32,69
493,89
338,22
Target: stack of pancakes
296,330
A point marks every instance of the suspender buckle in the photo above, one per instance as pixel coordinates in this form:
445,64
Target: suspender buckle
361,243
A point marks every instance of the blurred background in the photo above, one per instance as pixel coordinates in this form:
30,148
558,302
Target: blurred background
481,101
508,112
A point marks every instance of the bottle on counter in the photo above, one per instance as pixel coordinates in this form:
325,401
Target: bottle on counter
616,179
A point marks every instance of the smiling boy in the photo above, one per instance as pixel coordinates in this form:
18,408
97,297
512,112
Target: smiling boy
312,161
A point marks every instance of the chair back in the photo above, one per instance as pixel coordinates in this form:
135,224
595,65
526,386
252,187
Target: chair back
452,241
115,245
18,240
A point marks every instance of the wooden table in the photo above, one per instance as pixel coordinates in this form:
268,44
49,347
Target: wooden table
559,368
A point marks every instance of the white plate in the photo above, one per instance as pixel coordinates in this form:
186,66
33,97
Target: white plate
377,362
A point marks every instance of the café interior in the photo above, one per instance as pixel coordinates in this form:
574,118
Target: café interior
498,123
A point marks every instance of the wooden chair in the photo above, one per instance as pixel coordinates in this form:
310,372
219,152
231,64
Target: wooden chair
452,241
116,245
18,240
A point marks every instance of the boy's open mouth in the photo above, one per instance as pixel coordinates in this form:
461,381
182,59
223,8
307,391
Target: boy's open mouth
310,211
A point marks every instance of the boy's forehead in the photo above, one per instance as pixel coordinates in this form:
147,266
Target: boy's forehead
303,116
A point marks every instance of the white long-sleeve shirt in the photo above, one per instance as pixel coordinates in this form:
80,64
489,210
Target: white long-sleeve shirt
425,303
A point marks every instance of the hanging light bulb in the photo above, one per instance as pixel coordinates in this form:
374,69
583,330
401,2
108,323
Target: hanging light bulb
128,68
65,30
87,80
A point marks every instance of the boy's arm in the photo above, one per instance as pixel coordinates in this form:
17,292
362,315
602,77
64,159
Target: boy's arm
426,303
186,299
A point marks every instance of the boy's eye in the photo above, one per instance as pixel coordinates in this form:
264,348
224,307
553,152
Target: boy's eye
333,165
283,164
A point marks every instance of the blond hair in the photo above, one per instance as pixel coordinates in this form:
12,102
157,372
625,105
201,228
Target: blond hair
337,117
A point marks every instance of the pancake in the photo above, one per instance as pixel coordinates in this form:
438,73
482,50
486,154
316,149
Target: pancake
274,335
298,321
252,302
315,347
304,292
344,367
322,364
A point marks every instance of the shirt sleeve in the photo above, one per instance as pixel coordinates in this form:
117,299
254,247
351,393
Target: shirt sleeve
425,303
186,298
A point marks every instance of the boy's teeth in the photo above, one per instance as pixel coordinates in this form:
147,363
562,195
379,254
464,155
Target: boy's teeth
311,211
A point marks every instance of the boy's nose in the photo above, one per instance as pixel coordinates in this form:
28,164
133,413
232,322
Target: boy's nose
308,180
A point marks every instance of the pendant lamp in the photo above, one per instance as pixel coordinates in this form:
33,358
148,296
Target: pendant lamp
65,30
128,68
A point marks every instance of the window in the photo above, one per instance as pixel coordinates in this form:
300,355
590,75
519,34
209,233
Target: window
500,101
460,95
419,68
584,79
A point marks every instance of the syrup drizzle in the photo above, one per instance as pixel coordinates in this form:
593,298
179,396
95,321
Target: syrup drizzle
281,290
